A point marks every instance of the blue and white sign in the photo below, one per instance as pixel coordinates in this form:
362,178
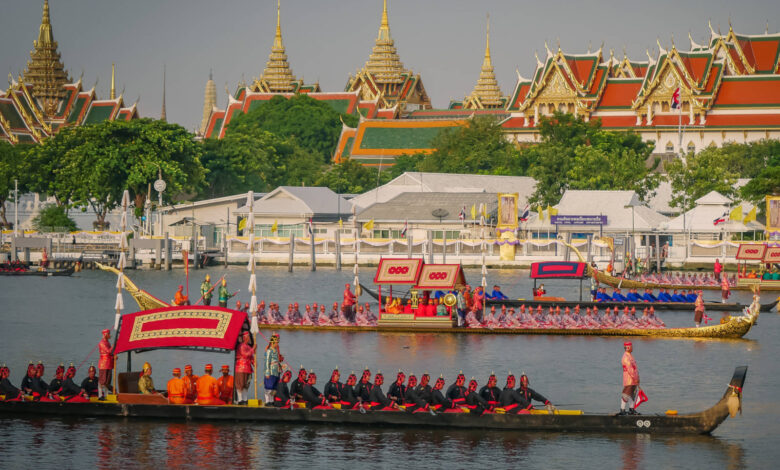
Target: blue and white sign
578,220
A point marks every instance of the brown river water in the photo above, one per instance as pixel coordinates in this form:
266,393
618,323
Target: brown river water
59,320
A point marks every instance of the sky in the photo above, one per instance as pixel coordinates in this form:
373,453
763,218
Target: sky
326,40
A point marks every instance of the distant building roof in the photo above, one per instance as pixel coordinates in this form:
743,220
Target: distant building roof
701,219
301,201
421,182
616,205
418,208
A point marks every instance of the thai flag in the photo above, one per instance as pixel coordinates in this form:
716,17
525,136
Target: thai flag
310,227
526,213
676,98
721,219
406,227
462,215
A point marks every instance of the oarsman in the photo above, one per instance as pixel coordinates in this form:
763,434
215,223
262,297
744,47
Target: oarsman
39,387
145,382
474,402
245,359
412,400
272,368
698,309
397,390
225,385
206,291
179,298
177,392
296,387
90,384
456,392
424,391
348,397
511,401
313,398
333,389
379,401
56,384
363,388
70,390
530,394
224,294
105,365
490,392
208,390
7,389
630,381
26,384
190,383
282,394
438,400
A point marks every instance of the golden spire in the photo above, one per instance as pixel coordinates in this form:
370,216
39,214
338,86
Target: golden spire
45,71
384,63
487,91
277,75
209,101
113,82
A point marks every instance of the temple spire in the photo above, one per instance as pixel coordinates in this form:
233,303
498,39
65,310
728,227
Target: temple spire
209,102
45,71
486,93
113,82
384,63
163,114
277,76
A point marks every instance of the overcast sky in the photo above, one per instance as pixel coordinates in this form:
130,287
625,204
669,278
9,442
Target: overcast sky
326,40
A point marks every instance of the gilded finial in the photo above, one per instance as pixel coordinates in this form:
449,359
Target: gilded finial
112,94
589,47
487,40
766,31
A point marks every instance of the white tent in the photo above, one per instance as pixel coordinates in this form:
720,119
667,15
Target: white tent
710,207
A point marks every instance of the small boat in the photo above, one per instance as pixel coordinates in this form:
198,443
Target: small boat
703,422
39,272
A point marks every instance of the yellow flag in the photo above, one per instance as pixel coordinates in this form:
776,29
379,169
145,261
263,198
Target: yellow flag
274,227
483,210
369,225
242,224
736,213
541,213
341,223
473,212
610,242
751,216
551,211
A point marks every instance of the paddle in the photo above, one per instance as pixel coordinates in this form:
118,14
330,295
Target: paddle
209,291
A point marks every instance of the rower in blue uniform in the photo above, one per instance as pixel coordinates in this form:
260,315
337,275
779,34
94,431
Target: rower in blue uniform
497,294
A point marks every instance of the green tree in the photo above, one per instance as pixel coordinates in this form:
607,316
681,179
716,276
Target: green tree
53,218
11,168
699,174
765,183
574,154
349,176
315,125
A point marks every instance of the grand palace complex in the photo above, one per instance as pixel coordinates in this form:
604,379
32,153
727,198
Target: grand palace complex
729,92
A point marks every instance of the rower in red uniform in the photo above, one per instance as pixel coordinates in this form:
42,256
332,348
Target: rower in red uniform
397,389
490,392
474,402
313,398
349,301
7,389
412,400
530,394
630,381
90,384
334,387
282,395
225,385
177,392
105,365
511,401
379,401
457,391
208,392
245,359
438,400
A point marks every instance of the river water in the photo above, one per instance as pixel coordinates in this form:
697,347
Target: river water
59,320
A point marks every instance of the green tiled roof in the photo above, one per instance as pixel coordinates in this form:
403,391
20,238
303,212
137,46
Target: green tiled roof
399,138
99,114
14,119
341,106
76,111
348,147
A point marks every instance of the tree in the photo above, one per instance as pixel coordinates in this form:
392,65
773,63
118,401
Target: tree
53,218
765,183
349,176
575,154
699,174
11,168
315,125
259,161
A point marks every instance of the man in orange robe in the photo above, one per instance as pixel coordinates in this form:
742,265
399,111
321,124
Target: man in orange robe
190,381
180,299
105,365
225,385
177,391
208,391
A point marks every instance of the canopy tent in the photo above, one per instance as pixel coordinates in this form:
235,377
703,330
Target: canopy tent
751,251
559,270
709,208
441,277
398,271
189,327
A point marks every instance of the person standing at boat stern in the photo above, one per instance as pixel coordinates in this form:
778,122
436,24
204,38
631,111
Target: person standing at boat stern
272,368
206,291
630,381
105,365
245,359
725,289
698,306
224,294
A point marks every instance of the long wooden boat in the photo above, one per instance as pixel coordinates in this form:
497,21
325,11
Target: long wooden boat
40,272
742,284
703,422
666,306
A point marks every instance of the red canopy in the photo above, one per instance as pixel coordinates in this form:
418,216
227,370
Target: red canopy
751,251
186,327
398,271
772,255
558,270
441,277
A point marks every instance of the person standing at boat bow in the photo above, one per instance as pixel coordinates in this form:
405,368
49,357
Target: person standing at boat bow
105,365
630,381
272,368
206,291
245,357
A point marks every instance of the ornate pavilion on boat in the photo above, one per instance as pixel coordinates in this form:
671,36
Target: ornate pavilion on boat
44,99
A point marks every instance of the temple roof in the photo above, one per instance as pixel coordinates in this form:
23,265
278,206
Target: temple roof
384,64
486,93
45,70
277,75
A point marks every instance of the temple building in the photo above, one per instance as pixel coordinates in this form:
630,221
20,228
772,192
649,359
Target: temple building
486,94
43,99
384,77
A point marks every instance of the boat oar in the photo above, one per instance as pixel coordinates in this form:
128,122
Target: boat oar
209,291
85,359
